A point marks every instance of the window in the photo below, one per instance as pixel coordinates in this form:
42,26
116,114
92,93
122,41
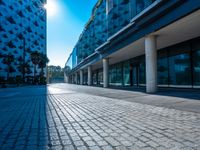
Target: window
109,6
196,63
196,68
126,73
142,73
179,69
162,68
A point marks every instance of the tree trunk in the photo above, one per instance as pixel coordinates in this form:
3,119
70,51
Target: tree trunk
8,72
34,72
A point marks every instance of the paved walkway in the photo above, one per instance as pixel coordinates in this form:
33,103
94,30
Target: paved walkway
63,116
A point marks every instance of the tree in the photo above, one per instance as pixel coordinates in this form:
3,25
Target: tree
26,66
8,59
43,62
35,58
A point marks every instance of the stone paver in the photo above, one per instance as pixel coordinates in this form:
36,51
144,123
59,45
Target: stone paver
56,119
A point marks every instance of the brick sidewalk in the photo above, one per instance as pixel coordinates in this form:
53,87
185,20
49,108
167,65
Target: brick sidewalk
82,121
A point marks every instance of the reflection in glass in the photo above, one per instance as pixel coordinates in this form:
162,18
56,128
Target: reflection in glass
126,73
196,63
142,72
100,77
180,70
162,71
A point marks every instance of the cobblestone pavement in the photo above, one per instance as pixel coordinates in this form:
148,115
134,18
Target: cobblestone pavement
40,118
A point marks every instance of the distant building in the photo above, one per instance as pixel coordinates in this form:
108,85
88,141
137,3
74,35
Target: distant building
22,31
139,43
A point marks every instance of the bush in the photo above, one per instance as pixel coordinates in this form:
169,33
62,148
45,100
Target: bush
18,80
43,80
11,80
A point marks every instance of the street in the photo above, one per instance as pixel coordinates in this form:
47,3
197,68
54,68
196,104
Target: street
62,116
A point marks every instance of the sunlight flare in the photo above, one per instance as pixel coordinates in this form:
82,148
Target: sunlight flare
51,8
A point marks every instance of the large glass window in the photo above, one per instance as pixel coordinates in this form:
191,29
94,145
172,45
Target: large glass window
85,78
126,73
142,73
179,69
119,74
162,68
94,78
100,77
115,75
196,62
112,75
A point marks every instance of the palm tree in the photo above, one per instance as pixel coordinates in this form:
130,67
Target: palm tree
35,58
42,64
23,66
8,59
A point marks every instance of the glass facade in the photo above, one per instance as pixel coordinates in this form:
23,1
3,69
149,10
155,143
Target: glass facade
108,17
177,66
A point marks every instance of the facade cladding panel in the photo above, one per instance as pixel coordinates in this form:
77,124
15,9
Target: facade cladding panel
178,65
22,27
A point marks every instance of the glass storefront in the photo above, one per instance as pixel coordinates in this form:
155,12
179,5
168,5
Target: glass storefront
177,66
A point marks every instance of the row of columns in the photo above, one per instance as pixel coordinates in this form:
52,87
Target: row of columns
151,67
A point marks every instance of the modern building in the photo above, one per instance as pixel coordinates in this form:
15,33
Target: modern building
22,31
152,43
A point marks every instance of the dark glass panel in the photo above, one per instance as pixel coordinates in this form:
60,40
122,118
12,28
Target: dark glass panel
179,69
142,72
119,74
100,77
94,78
126,73
162,68
112,75
135,75
196,64
85,78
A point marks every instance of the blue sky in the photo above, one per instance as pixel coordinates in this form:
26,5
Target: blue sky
65,26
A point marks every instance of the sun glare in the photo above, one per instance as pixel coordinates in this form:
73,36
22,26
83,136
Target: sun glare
51,8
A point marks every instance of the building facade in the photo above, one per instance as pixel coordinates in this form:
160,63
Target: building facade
22,31
151,43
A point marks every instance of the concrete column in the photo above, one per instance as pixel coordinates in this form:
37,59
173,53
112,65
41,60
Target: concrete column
81,77
151,63
89,75
105,72
66,78
76,78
